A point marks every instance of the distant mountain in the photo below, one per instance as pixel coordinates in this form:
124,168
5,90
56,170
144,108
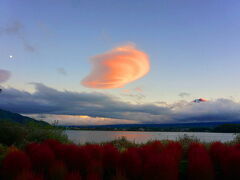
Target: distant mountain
228,127
169,125
6,116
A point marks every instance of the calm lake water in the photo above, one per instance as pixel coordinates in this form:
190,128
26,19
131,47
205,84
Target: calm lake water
78,136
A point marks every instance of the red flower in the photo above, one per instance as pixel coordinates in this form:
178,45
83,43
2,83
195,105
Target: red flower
57,171
41,156
15,162
218,154
154,147
231,163
110,160
93,176
73,176
199,163
174,149
161,166
131,163
28,175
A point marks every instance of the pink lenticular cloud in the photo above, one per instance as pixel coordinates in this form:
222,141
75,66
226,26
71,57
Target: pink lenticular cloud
4,75
116,68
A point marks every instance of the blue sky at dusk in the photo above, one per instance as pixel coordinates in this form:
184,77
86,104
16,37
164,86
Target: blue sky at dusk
193,49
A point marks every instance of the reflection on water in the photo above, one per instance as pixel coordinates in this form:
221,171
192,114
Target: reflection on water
78,136
132,136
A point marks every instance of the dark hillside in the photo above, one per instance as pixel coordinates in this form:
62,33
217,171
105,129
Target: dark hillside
6,116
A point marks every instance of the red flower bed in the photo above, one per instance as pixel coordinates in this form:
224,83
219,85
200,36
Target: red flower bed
199,163
42,157
15,163
162,162
231,163
73,176
29,175
52,160
131,163
57,170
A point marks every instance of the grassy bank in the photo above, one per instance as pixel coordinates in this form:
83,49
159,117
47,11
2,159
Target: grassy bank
18,135
120,159
36,152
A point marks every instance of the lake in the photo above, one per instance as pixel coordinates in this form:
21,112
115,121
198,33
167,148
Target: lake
79,136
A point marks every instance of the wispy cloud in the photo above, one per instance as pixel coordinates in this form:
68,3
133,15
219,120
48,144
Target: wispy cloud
184,94
62,71
135,97
4,75
28,47
17,29
135,94
116,68
137,89
12,29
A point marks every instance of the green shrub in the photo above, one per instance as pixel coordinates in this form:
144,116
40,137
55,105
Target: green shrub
3,151
39,133
12,133
15,134
122,143
186,140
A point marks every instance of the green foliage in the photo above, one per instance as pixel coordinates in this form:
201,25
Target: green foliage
12,133
183,169
236,140
186,140
3,151
122,144
18,134
39,133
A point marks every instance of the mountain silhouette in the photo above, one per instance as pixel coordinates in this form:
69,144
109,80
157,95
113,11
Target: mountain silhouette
7,116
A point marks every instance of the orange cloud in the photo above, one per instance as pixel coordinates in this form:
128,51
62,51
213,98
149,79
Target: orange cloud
116,68
138,89
80,119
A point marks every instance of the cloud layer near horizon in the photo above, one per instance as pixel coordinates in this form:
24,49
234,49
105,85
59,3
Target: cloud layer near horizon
116,68
47,100
4,75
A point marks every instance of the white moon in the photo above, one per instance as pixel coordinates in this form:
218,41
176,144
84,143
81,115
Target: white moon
10,56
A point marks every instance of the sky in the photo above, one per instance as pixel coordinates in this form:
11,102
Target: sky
149,59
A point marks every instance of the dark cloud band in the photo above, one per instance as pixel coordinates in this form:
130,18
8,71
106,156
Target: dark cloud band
46,100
